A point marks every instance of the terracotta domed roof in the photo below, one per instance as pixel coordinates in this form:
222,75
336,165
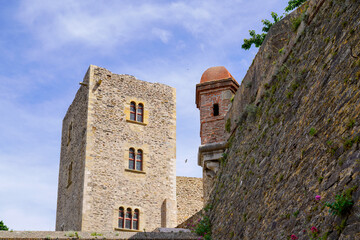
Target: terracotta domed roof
215,73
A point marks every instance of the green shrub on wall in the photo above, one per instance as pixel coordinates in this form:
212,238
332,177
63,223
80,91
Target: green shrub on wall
341,206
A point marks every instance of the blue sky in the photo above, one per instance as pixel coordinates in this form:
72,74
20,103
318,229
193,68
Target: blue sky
45,49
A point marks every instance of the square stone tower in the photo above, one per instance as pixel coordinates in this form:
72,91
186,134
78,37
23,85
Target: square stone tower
118,150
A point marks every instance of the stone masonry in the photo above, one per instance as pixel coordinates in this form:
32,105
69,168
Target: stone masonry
95,179
189,197
213,98
294,140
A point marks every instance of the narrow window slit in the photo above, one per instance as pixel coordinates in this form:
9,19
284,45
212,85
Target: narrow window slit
216,109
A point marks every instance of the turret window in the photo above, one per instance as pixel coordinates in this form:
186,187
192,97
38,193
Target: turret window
216,109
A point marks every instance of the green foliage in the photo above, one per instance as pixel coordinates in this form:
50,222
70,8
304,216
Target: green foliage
96,234
208,207
296,213
325,236
350,124
289,95
204,228
350,141
342,204
251,110
320,179
268,24
228,125
230,141
257,39
341,227
292,4
295,23
312,132
70,235
3,227
245,217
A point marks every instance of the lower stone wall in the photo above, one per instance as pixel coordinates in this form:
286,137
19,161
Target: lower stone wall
191,222
189,194
59,235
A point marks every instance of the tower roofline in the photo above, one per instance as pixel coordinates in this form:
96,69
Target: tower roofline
229,83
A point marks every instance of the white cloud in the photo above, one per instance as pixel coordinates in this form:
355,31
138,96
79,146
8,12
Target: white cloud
162,34
94,23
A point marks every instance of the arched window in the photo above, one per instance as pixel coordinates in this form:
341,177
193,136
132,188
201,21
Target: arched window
133,111
131,158
135,224
121,217
140,113
128,218
216,109
139,159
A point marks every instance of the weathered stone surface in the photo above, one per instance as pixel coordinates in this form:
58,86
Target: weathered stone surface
73,145
295,132
101,136
189,197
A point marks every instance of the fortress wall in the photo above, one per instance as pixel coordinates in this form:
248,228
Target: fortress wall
108,183
189,197
295,132
73,144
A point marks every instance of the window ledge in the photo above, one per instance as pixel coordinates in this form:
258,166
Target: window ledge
126,230
141,123
134,171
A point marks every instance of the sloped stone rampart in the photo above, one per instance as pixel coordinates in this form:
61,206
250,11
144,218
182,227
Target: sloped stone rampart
295,132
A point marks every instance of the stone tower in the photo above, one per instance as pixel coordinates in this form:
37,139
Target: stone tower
213,98
117,164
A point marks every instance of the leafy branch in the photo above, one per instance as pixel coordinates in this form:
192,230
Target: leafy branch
3,227
294,4
257,39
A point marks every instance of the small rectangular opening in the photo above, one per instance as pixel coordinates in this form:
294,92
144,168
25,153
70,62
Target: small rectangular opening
216,109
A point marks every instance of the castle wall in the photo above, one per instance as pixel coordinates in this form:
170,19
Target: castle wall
72,161
189,197
299,133
109,184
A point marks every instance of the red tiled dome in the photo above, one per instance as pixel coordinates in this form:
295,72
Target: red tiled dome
215,73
